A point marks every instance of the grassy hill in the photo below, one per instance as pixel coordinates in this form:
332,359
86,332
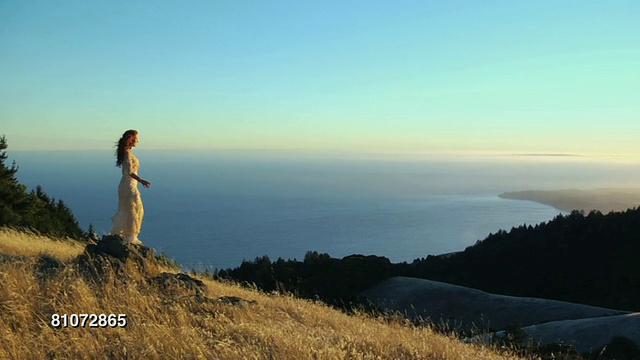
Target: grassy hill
541,322
39,277
581,258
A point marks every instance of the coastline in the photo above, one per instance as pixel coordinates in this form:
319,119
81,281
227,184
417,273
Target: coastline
604,200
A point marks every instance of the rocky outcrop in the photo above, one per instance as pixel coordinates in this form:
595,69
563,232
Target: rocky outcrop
234,300
107,259
107,262
179,284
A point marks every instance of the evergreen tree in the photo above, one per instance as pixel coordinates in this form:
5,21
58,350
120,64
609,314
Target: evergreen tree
13,196
34,210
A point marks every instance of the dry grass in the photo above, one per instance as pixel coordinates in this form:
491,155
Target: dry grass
163,326
22,243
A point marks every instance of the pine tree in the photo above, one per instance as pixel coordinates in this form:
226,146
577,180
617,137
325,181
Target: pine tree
13,195
34,210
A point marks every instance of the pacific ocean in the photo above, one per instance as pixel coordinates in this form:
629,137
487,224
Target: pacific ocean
214,209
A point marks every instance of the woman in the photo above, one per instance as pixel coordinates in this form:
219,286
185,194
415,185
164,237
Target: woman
128,219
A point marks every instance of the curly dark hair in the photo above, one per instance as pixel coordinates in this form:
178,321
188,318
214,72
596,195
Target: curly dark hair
122,144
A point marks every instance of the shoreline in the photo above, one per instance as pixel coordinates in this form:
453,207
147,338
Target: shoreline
604,200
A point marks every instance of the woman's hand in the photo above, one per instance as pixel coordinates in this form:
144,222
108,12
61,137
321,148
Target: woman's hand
142,181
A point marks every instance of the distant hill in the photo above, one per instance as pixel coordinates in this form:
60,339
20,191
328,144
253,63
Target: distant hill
590,259
468,309
604,199
585,327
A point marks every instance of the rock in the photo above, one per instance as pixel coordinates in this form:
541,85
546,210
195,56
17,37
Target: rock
93,236
234,300
620,348
111,254
176,284
49,266
112,245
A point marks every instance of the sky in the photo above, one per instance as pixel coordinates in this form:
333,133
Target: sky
524,77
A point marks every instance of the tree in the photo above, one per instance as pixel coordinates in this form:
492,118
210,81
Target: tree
35,210
13,196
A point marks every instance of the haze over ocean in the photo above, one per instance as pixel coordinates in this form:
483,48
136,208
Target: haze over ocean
214,209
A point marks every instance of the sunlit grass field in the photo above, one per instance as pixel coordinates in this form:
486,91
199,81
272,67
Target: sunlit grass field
172,326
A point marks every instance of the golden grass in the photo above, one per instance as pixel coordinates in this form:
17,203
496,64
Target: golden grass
163,326
23,243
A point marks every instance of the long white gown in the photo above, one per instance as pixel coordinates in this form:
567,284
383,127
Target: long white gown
128,220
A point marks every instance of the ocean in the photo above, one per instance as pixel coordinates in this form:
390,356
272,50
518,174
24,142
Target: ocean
215,209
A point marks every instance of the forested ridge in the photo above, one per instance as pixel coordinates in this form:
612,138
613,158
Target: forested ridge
34,210
590,259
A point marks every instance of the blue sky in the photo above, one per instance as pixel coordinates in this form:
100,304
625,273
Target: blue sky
357,76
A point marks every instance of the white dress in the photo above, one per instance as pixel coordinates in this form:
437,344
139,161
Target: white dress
128,219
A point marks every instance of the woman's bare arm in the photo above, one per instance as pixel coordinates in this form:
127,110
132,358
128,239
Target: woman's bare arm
142,181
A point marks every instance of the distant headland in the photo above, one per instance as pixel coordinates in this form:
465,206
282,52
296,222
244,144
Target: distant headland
603,199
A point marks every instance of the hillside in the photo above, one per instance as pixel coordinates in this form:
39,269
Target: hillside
587,328
589,259
470,308
168,318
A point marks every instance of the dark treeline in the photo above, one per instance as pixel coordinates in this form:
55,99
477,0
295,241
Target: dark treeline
591,259
335,281
33,210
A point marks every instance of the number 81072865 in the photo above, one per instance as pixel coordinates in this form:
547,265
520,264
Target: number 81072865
89,320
